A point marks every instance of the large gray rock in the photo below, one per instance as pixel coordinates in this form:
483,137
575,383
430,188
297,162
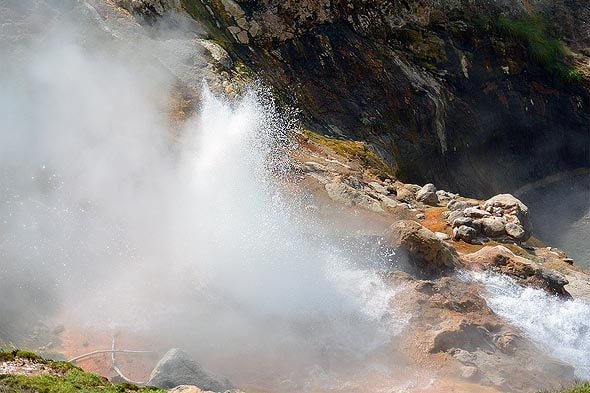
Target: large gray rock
178,368
493,226
425,249
427,195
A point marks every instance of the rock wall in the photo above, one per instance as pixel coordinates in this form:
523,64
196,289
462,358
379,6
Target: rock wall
438,88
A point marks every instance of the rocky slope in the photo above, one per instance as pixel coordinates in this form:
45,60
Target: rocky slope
443,234
454,92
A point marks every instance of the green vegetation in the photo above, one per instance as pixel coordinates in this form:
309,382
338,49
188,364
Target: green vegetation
74,380
353,150
583,387
7,355
64,378
544,48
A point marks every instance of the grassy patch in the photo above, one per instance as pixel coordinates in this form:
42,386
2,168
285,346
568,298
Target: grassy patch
583,387
74,380
66,378
544,48
353,150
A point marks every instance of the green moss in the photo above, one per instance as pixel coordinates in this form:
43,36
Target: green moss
544,48
65,378
353,150
27,355
198,11
74,380
583,387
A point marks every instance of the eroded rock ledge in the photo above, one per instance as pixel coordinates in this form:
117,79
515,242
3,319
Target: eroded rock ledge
451,322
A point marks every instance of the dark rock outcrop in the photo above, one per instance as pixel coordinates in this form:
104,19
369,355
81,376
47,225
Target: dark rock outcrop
442,90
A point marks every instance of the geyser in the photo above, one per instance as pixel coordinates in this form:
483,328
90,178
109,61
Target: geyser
109,221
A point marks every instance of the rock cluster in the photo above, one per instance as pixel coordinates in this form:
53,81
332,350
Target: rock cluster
502,218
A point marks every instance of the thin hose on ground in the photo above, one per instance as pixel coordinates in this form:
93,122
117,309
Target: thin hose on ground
118,371
89,354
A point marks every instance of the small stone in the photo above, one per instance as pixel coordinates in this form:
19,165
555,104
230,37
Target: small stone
254,28
414,188
420,216
475,212
405,195
389,203
465,233
378,187
243,37
569,261
462,221
459,205
454,214
442,235
243,23
515,231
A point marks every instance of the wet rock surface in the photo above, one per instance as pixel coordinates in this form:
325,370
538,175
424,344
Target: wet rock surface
455,320
525,271
425,249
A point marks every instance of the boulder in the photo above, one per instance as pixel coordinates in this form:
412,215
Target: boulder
405,195
427,195
492,226
177,368
350,196
512,206
465,233
426,250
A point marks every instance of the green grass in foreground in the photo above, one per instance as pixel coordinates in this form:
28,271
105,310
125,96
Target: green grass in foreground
67,378
583,387
74,380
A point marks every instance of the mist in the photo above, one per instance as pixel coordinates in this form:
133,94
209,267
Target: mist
109,219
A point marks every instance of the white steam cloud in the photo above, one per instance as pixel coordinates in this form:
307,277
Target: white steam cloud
106,217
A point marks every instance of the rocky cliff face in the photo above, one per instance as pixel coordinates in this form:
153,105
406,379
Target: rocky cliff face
453,92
